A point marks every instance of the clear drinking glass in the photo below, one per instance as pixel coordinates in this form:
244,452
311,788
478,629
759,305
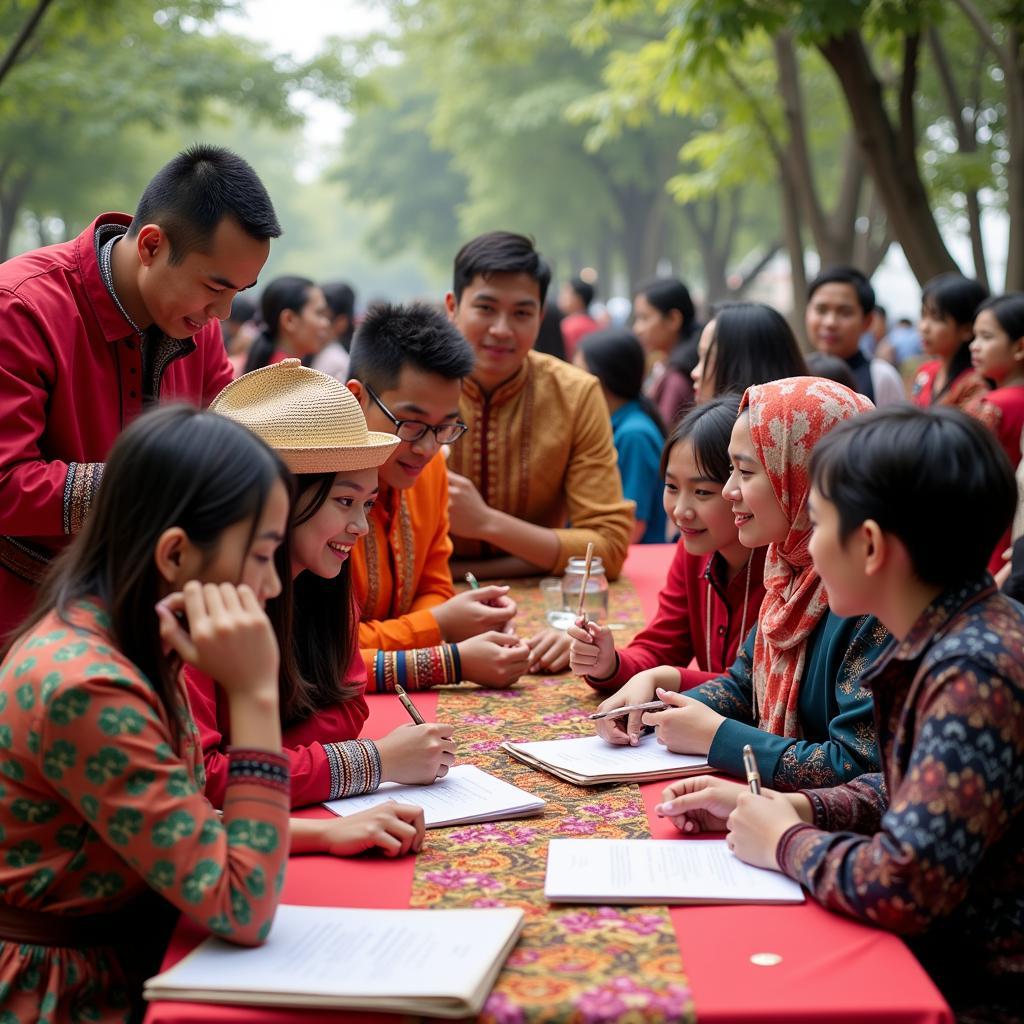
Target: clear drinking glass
595,604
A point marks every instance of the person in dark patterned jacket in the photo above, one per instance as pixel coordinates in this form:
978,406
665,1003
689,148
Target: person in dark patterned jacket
933,847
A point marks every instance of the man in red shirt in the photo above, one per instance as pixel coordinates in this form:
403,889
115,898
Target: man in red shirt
94,330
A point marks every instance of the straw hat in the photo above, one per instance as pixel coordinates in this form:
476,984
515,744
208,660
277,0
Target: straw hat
310,419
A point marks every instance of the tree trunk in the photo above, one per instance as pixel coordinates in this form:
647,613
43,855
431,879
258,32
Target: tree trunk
1015,164
793,237
11,198
14,50
897,179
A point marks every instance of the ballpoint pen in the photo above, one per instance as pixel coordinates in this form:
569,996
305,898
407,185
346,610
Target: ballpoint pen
409,706
651,705
750,767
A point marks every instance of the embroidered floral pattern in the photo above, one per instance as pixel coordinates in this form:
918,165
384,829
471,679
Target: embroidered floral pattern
579,964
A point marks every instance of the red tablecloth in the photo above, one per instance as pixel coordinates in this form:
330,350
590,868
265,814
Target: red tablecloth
832,969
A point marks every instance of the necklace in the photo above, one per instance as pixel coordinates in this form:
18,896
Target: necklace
743,618
107,273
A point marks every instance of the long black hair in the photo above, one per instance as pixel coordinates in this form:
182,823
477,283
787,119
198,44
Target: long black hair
288,292
317,627
615,357
174,466
707,427
752,344
957,297
666,294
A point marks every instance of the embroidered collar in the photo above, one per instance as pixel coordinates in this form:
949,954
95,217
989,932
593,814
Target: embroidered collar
505,391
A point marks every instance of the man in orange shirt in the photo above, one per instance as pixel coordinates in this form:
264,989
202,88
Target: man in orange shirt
408,364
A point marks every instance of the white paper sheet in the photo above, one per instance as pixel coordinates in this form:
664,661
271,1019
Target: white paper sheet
338,951
659,871
464,795
591,755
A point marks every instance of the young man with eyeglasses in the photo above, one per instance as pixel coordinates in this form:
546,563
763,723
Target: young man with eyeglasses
407,367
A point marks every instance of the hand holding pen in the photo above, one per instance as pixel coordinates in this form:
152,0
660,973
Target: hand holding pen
416,753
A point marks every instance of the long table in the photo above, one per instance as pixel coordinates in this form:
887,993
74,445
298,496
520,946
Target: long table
828,968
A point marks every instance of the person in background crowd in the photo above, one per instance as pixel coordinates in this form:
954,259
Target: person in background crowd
874,337
296,323
97,328
840,301
902,344
616,359
334,358
574,299
746,343
536,480
997,353
949,303
665,321
549,337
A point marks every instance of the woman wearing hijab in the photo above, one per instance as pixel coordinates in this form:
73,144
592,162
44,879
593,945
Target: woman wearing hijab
793,692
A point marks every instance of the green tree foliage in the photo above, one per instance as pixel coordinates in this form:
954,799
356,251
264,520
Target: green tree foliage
100,78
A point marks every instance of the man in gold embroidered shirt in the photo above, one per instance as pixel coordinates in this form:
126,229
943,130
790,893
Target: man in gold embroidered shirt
538,479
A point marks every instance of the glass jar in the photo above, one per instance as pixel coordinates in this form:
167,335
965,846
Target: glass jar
595,604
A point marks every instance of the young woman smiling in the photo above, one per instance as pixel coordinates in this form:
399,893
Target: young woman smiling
715,584
792,692
317,427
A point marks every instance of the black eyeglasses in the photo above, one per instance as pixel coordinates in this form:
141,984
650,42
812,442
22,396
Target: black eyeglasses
414,430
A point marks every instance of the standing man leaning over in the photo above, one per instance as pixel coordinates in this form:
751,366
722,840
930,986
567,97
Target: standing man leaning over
94,330
536,478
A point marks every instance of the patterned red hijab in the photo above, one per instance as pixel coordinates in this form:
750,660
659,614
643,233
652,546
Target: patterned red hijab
787,419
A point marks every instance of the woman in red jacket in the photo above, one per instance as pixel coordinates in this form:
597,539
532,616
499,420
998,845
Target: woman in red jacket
715,585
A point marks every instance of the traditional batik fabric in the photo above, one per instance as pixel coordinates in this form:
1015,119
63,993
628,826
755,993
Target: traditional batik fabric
942,858
98,807
787,419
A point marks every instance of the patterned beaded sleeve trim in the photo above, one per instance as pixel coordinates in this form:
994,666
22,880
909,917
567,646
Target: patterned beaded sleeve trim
857,806
80,487
260,767
417,669
358,767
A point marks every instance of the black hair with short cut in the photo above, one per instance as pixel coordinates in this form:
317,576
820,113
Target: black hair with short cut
925,476
752,344
615,357
583,289
707,427
499,252
418,335
189,196
831,368
846,275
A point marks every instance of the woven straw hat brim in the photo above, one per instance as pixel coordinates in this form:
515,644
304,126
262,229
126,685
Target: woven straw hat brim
375,452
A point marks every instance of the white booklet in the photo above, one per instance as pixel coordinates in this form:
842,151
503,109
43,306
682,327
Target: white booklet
659,871
464,795
434,963
590,760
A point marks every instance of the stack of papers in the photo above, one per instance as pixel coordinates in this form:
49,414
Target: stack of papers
589,760
466,794
435,963
626,871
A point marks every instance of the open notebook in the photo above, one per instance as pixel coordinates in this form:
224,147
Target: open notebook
464,795
438,963
626,871
589,760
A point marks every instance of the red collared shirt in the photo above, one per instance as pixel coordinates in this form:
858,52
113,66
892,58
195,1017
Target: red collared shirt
70,380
